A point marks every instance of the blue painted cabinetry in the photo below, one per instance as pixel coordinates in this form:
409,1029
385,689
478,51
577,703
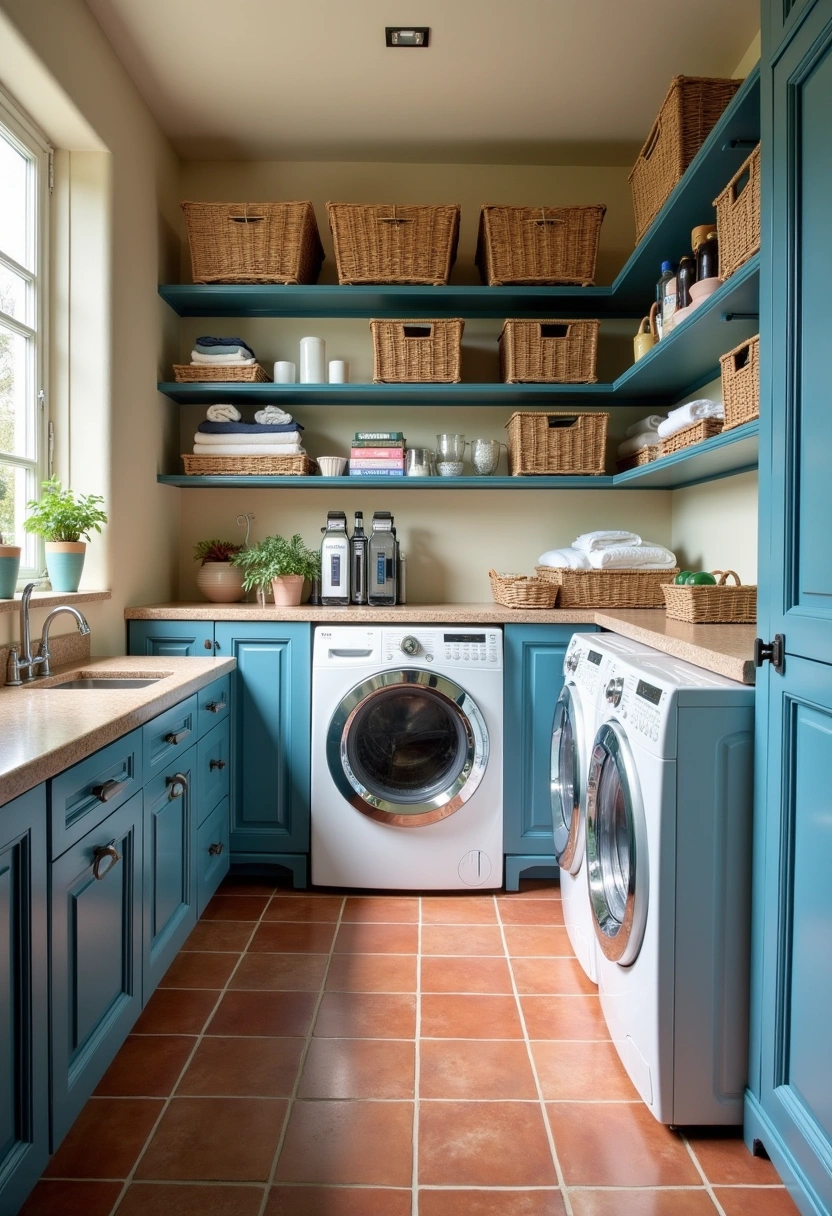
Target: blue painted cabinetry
24,1042
170,822
172,639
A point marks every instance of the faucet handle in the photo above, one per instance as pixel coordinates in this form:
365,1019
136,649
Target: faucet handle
13,672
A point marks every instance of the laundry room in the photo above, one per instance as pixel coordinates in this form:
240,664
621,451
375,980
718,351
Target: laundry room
414,666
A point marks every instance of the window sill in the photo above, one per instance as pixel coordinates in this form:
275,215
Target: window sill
51,599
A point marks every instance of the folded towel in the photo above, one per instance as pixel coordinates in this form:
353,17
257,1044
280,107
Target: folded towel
223,413
248,449
687,415
281,440
569,559
242,351
248,428
208,341
647,439
237,360
625,557
588,541
650,423
272,414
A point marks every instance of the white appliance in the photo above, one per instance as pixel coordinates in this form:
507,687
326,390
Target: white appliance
668,855
407,766
573,732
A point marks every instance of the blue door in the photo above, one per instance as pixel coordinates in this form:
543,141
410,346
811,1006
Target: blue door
172,639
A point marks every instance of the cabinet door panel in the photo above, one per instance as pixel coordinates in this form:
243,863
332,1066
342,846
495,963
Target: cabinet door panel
214,768
213,854
172,639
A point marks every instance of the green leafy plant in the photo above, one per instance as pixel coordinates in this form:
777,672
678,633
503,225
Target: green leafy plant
215,551
275,556
59,515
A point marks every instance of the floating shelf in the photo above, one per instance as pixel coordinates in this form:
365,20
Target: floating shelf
392,483
734,451
391,394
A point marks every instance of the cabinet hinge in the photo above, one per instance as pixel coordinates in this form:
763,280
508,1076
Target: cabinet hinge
51,170
771,652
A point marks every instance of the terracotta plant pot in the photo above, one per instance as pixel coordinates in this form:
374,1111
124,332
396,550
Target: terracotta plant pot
220,582
287,589
65,563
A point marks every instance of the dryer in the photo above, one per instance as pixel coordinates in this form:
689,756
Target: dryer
668,855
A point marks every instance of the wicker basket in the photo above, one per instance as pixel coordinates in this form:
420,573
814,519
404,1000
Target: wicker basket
417,351
253,242
636,459
548,352
691,108
706,428
741,383
517,591
608,588
391,244
738,217
539,244
556,443
248,466
196,373
713,605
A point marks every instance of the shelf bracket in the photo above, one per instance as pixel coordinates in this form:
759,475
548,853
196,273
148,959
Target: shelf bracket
734,145
740,316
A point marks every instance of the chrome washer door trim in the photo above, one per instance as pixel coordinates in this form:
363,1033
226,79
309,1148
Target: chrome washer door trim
619,932
410,814
567,821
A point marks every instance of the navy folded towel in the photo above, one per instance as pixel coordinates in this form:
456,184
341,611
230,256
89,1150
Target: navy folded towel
232,342
248,428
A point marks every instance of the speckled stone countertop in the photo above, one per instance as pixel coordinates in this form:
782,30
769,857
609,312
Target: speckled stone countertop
725,649
45,730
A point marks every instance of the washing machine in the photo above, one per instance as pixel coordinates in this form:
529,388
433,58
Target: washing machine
407,769
668,856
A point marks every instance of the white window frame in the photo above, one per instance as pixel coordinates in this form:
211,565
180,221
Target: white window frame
31,142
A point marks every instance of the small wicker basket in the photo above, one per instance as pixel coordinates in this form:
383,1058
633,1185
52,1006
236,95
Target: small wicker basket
713,605
517,591
608,588
411,352
691,108
548,352
539,245
247,466
706,428
571,444
253,242
741,383
738,217
636,459
392,244
199,373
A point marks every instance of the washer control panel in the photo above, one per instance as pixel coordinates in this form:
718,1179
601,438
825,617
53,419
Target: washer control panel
452,646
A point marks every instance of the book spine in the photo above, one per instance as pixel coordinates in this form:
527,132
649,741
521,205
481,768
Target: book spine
377,453
387,437
376,472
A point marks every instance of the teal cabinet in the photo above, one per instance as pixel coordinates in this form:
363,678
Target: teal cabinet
96,957
212,854
24,1041
172,639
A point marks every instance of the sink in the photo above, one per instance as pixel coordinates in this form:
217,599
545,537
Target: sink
101,682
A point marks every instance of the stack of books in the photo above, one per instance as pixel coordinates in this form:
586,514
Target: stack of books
377,454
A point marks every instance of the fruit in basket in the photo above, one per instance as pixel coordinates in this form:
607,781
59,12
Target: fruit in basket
682,577
701,579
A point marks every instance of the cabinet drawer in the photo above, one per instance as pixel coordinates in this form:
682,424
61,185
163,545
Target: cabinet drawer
213,856
168,736
214,704
84,795
213,769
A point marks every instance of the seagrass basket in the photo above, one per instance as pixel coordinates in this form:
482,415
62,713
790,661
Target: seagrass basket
417,351
538,245
608,588
392,244
548,352
706,428
713,605
195,373
638,458
571,444
741,383
253,242
248,466
517,591
738,217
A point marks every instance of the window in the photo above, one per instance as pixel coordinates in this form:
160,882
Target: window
24,193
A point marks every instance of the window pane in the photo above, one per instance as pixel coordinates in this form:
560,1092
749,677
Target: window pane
18,407
13,196
16,295
17,486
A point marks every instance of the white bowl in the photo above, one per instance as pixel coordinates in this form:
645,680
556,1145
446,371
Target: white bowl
332,466
704,288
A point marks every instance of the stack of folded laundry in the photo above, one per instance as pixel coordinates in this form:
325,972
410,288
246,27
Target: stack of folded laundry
610,550
688,415
642,434
222,352
273,433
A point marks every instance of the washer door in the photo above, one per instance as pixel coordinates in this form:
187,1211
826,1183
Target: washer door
616,847
407,747
566,778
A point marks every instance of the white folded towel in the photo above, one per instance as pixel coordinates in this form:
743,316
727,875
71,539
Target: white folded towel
650,423
588,541
687,415
647,439
568,559
223,413
624,557
272,415
248,449
240,356
281,439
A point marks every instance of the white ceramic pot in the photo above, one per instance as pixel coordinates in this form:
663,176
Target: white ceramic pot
220,582
287,589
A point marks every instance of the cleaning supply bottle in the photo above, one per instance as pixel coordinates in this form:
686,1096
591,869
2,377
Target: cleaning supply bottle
358,561
662,287
335,560
685,276
382,568
668,307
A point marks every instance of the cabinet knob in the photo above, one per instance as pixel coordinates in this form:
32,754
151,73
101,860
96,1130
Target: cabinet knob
220,764
215,849
215,707
108,790
208,644
100,854
176,737
177,785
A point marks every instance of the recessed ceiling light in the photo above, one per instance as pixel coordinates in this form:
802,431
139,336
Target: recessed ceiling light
411,35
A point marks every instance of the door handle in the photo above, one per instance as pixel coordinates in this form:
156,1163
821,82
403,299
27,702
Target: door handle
108,790
214,707
176,737
107,850
220,764
215,849
177,785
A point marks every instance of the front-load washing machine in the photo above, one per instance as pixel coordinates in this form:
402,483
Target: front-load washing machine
407,768
668,855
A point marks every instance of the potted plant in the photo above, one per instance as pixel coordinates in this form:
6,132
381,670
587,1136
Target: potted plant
283,563
217,579
9,567
62,519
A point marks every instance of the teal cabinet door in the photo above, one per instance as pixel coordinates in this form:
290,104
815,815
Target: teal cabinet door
172,639
96,951
24,1041
271,730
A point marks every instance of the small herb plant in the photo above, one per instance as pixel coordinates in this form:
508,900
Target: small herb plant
215,551
59,516
274,557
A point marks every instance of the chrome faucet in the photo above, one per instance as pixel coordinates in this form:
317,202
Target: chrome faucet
25,664
44,655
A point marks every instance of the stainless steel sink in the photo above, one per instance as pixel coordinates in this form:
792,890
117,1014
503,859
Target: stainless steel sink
101,682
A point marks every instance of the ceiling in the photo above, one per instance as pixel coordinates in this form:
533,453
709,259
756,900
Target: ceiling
534,81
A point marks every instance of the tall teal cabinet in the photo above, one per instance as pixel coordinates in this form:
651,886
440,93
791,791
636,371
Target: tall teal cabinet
789,1101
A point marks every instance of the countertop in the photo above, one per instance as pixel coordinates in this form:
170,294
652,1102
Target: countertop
45,730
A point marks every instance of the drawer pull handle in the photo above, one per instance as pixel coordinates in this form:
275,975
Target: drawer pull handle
214,707
215,849
176,737
177,785
108,790
220,764
110,851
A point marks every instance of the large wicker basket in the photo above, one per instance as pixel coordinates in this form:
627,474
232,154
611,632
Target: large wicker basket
539,244
517,591
741,383
248,466
691,108
571,444
706,428
197,373
548,352
417,351
641,456
738,217
713,605
253,242
392,244
608,588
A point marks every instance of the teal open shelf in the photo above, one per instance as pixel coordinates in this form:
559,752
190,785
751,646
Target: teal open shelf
734,451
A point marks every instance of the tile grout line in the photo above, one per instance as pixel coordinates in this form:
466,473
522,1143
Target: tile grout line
706,1181
417,1066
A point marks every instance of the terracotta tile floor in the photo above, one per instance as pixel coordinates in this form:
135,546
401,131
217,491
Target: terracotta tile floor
320,1055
